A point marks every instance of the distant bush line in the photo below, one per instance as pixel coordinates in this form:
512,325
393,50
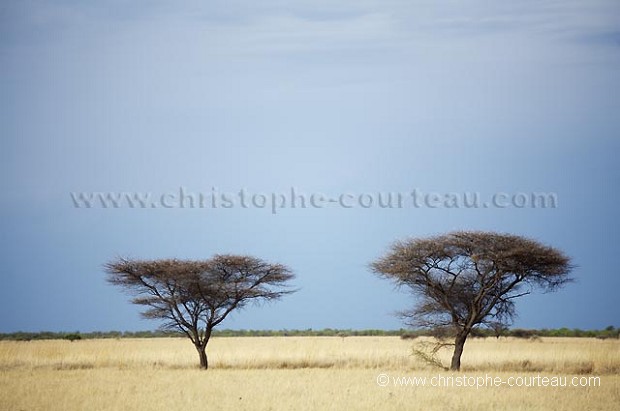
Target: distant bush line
609,332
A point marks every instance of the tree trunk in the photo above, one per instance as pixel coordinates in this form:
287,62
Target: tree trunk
202,352
459,343
201,345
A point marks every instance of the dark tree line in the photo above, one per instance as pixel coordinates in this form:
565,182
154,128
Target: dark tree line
608,332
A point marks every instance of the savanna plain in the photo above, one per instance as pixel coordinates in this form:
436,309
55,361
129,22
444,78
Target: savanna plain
306,373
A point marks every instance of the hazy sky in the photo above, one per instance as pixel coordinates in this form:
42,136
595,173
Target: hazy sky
351,96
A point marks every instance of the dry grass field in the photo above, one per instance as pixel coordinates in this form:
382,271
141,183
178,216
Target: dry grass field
301,373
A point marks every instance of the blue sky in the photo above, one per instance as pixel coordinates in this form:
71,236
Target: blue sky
332,97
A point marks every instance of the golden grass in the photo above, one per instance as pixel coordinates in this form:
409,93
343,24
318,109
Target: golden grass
296,373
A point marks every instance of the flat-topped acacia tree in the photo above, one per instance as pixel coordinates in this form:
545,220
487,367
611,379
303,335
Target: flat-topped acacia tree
470,279
195,296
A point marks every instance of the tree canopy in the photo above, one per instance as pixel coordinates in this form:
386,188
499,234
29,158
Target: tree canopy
195,296
467,279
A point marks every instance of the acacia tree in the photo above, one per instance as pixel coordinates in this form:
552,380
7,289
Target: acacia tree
470,279
195,296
